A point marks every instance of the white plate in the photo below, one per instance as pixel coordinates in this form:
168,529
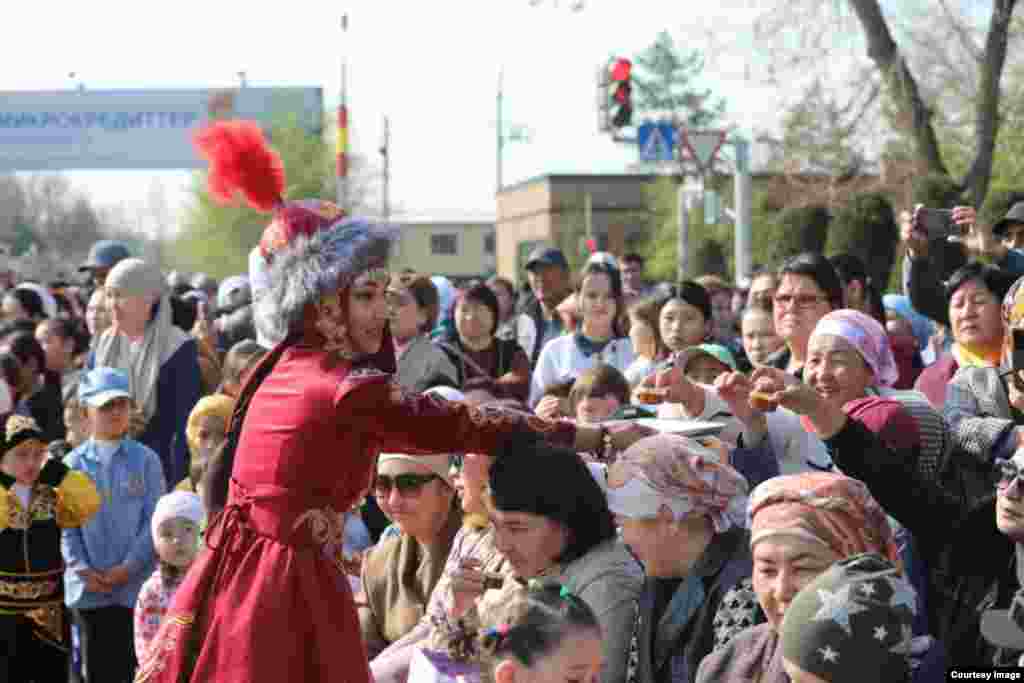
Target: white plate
683,427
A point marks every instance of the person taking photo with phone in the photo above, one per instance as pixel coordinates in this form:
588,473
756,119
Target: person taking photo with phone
967,302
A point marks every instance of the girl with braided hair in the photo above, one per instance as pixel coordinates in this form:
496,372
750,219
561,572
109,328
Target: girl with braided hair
537,633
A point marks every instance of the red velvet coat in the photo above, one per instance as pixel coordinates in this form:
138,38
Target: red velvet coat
265,601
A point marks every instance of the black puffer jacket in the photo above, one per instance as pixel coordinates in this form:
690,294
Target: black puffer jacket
971,565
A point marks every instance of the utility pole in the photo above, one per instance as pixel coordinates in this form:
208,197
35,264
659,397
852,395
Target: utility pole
341,152
500,129
385,153
744,216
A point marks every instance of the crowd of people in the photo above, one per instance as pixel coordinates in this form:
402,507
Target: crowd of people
325,470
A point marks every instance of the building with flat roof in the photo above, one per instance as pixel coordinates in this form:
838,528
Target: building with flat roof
456,249
552,209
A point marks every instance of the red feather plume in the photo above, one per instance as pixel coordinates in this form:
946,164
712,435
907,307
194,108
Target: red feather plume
241,161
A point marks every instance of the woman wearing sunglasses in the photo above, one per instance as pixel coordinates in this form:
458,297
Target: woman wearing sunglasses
417,495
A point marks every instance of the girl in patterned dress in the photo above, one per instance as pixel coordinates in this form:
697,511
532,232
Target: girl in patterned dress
177,520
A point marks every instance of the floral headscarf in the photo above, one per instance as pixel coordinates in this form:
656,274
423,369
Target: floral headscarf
823,507
679,473
866,335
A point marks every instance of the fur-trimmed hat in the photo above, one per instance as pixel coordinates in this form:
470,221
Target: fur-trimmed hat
310,247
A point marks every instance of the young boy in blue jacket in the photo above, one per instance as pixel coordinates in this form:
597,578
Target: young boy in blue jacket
110,557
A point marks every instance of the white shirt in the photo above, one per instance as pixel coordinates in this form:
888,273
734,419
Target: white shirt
796,449
561,360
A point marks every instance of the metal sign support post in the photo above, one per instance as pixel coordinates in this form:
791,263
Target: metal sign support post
703,147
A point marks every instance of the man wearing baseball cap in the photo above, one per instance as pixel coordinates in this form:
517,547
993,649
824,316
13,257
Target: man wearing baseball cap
103,256
547,271
1010,228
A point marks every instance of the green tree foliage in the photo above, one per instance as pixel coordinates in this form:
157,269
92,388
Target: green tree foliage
998,203
821,136
216,239
937,191
799,229
866,227
663,77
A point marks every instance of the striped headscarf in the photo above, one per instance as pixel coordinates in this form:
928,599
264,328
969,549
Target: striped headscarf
823,507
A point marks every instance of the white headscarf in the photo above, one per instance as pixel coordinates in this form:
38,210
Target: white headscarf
162,340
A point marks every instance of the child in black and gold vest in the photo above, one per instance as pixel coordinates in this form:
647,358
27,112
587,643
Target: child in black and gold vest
39,496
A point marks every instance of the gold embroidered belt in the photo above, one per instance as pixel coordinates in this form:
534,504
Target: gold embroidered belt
20,592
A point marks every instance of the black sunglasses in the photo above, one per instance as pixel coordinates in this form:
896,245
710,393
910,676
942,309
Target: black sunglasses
407,484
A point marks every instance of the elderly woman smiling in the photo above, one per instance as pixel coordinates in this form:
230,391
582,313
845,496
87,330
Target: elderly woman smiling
799,525
681,513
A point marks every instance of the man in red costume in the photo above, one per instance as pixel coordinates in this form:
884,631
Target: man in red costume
264,601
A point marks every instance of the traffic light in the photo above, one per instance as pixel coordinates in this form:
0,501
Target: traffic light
620,89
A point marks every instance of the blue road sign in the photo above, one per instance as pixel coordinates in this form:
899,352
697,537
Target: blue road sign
656,141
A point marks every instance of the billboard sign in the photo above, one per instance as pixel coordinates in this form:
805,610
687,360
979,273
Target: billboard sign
133,129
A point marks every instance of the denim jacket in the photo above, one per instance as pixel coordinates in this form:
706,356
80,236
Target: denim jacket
130,481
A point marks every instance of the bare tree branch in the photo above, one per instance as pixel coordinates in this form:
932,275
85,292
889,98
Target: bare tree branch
987,119
883,51
966,40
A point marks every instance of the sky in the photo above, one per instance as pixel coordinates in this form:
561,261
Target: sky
432,68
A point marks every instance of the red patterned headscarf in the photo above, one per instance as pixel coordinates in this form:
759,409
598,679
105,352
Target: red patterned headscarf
823,507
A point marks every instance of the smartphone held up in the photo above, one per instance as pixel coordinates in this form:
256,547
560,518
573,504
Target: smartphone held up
937,224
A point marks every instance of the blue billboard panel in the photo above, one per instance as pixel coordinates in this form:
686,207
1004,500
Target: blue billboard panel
133,129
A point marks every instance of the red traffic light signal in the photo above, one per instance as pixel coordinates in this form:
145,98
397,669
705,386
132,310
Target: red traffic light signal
621,91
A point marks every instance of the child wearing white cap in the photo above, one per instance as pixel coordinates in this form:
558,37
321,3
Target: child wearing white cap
177,520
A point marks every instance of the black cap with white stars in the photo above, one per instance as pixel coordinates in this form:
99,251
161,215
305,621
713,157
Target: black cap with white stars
852,623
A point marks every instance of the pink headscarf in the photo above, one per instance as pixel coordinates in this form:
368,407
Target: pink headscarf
866,335
678,473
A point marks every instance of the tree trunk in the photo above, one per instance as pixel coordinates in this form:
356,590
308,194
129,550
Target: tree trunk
987,108
883,51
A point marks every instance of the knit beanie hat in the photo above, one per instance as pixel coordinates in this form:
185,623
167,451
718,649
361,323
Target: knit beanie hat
852,623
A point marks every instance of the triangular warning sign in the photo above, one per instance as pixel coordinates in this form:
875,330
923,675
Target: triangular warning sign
656,148
703,145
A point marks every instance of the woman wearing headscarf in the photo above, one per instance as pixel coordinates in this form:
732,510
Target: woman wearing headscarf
850,366
682,514
206,431
970,545
799,525
866,644
162,361
267,600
